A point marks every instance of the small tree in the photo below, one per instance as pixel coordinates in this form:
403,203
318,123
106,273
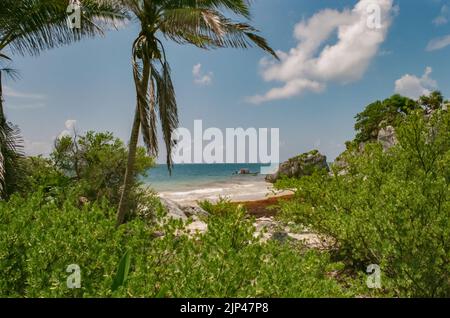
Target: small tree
97,162
386,112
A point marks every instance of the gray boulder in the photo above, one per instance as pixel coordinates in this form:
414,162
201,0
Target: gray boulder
174,210
182,212
194,211
387,138
300,166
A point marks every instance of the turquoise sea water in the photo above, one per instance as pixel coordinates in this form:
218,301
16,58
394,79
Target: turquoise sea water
189,176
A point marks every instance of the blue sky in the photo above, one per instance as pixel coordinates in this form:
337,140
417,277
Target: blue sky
90,84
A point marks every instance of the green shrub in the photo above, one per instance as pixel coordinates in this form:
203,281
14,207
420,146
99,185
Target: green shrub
87,169
96,162
382,113
388,208
39,240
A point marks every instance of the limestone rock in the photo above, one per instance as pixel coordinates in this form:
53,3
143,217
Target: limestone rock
194,211
387,138
302,165
197,227
174,210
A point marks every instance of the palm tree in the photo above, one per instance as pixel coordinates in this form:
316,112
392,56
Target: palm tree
29,27
10,141
197,22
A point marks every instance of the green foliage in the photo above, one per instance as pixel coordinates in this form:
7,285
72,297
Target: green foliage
95,164
382,113
39,240
433,101
41,174
11,155
122,272
388,208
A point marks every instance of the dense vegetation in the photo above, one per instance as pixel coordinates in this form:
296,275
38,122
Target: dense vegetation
86,168
390,208
39,239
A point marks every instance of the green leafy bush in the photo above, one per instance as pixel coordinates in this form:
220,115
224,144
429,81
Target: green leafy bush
39,240
382,113
388,208
97,163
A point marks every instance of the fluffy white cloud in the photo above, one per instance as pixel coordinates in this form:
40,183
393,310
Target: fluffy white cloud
443,16
313,62
438,43
70,127
201,78
70,124
413,87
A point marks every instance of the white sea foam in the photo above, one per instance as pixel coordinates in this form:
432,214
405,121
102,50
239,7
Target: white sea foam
235,191
199,191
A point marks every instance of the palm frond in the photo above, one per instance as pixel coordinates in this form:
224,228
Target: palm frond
31,26
11,154
156,94
167,108
209,29
4,57
11,73
145,98
238,7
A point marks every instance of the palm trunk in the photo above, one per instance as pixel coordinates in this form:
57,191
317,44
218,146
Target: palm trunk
2,114
2,136
132,148
129,174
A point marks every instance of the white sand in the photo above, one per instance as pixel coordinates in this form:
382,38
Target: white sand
252,190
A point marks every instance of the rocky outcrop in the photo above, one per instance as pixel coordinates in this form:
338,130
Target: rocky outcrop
300,166
182,212
387,138
268,228
174,210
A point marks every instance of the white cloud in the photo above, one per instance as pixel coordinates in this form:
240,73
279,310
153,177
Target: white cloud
23,101
10,92
35,148
413,87
70,124
70,127
201,78
443,16
314,62
438,43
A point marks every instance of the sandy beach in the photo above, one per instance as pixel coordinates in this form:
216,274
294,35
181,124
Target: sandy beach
237,191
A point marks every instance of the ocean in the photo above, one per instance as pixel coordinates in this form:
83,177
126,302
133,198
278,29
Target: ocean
193,182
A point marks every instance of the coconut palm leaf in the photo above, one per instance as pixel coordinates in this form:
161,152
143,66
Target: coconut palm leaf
208,29
31,26
11,153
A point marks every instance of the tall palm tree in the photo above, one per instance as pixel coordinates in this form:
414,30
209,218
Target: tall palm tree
10,141
201,23
29,27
